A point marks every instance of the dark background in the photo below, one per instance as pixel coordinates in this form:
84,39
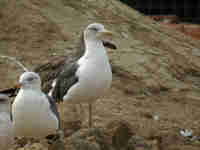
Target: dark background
187,10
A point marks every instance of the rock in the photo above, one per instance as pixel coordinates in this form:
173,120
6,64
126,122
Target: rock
137,143
71,127
57,145
155,69
121,133
90,139
85,145
37,146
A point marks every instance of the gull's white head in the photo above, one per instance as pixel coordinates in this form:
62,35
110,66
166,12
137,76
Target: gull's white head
29,80
96,31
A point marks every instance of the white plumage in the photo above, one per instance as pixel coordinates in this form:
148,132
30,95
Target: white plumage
90,77
6,130
31,110
94,75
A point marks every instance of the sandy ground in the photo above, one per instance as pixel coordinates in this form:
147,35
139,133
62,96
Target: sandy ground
155,90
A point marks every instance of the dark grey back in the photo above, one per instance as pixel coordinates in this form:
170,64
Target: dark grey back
66,79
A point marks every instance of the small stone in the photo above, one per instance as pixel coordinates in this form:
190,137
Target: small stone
124,35
155,117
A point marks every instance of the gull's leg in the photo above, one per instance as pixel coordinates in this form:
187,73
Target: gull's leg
81,108
82,112
90,115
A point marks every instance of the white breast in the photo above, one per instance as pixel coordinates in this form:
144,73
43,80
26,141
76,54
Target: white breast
32,116
95,78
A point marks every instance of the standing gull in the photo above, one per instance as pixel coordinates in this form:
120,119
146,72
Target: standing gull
87,79
6,130
34,114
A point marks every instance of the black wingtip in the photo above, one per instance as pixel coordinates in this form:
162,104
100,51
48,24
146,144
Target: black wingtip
10,92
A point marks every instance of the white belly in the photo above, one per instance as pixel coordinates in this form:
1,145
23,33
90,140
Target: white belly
6,131
32,116
92,84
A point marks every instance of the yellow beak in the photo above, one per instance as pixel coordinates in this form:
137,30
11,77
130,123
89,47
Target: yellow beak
104,33
107,33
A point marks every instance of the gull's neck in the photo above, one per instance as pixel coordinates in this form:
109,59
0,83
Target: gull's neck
94,49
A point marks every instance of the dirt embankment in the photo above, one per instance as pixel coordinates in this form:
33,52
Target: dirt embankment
155,91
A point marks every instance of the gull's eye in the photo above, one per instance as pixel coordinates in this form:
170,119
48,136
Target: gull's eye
30,79
94,29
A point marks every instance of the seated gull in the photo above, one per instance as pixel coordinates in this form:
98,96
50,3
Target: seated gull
34,114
